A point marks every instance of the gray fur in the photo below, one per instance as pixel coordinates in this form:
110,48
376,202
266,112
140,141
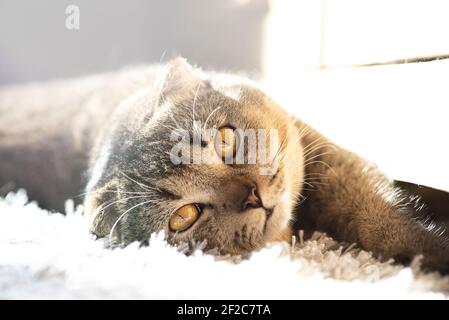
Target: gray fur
109,136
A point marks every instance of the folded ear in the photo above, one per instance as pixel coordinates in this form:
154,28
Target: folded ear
181,81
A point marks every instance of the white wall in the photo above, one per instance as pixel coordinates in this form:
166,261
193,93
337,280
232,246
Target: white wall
308,34
397,116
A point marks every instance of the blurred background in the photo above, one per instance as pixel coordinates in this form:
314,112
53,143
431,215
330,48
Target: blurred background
273,37
36,45
310,55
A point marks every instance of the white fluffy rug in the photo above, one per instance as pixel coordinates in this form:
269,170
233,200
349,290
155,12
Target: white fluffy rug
51,256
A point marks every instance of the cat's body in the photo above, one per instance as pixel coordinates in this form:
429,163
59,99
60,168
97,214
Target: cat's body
47,131
113,134
354,202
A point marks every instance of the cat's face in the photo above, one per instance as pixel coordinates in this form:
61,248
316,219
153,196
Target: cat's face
177,169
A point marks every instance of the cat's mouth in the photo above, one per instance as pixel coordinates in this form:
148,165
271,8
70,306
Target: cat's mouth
268,214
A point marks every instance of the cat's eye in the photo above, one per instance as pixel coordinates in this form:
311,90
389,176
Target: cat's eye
226,142
184,217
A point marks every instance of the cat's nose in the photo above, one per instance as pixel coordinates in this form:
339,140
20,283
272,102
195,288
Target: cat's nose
251,199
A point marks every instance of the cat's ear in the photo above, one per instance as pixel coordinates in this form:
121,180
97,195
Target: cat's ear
181,80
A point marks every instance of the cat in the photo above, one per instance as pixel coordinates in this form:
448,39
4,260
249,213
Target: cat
127,139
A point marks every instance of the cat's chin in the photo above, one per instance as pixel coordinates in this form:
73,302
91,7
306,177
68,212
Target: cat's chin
276,223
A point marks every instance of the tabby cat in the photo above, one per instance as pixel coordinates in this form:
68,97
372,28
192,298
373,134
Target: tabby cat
155,148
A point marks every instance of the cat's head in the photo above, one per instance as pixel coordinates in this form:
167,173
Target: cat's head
204,157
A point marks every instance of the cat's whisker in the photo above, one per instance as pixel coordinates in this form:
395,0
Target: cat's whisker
161,83
162,55
289,131
307,183
317,156
169,128
313,183
110,191
123,214
279,154
194,102
315,174
322,149
103,207
312,160
305,130
285,137
317,180
316,140
321,141
315,177
293,159
323,163
284,140
315,144
309,189
316,183
170,114
325,150
301,201
209,116
313,148
142,185
297,196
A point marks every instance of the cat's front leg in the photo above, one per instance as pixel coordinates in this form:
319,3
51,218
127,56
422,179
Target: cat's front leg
400,234
353,201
